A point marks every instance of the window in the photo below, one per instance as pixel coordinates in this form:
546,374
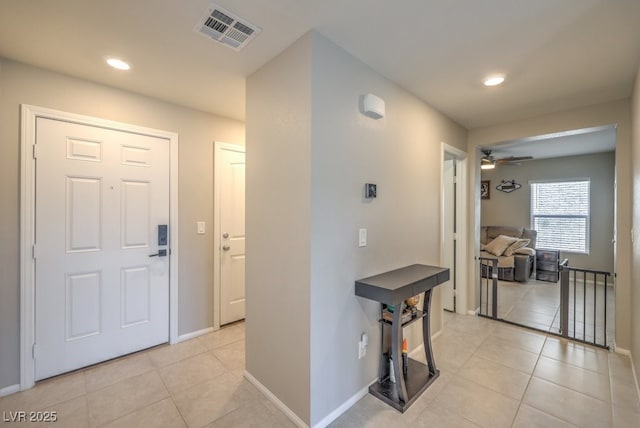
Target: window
560,214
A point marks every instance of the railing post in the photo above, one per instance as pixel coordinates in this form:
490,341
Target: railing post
564,299
485,268
606,277
494,297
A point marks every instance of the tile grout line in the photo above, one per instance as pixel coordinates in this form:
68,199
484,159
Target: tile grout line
170,395
569,388
173,401
565,387
613,413
129,413
524,394
492,331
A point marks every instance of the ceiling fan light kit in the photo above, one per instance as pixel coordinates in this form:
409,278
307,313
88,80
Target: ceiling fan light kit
489,162
486,163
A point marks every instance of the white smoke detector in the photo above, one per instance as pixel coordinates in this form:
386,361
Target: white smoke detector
227,28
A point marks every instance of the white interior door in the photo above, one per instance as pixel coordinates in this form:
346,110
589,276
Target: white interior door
100,196
448,229
230,173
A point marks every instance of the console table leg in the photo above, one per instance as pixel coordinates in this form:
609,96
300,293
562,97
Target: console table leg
396,347
426,333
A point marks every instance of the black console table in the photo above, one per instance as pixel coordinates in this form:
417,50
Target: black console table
393,288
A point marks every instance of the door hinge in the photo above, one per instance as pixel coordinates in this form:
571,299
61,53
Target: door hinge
34,252
34,349
454,292
35,151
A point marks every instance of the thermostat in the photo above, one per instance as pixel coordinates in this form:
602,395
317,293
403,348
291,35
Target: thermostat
370,190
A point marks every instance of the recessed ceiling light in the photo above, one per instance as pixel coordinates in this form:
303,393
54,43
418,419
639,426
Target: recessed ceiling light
118,64
493,80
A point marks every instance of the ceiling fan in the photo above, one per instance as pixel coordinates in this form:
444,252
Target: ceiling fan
489,162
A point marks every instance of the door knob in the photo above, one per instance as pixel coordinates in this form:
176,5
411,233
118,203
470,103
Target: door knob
226,247
225,236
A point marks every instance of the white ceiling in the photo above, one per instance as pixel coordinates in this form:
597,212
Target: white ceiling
556,54
570,143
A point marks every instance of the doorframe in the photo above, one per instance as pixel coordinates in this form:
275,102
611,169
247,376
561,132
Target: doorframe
29,115
217,282
462,215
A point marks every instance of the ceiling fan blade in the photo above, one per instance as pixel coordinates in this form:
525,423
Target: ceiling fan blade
514,160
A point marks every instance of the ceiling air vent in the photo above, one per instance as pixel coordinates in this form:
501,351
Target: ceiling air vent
227,28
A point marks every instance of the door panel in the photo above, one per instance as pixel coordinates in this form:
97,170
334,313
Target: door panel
136,295
135,214
231,173
100,195
83,306
83,214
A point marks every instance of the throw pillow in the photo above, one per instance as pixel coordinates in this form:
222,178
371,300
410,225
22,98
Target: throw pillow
498,246
516,245
526,251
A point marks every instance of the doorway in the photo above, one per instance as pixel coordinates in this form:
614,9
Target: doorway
229,234
97,281
453,230
567,192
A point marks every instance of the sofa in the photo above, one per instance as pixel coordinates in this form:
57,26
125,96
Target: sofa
513,247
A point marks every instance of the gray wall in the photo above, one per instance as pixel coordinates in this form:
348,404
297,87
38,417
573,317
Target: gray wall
400,153
635,291
513,209
278,223
614,112
22,84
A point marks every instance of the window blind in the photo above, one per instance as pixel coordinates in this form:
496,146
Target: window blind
560,214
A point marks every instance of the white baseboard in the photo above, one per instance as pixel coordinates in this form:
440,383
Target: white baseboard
623,351
474,312
294,418
635,376
335,414
7,390
627,353
417,351
344,406
275,400
194,334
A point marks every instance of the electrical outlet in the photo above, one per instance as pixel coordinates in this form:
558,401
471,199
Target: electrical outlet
362,350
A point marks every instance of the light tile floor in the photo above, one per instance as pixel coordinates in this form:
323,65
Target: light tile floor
536,304
492,375
197,383
497,375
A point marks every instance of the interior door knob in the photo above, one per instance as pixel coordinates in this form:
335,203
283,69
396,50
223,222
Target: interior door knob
225,236
226,247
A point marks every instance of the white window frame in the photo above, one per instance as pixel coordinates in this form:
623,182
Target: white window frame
587,217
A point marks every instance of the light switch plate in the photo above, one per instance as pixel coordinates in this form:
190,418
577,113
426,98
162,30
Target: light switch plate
201,227
362,238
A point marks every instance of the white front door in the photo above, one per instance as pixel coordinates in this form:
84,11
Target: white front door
100,196
230,174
